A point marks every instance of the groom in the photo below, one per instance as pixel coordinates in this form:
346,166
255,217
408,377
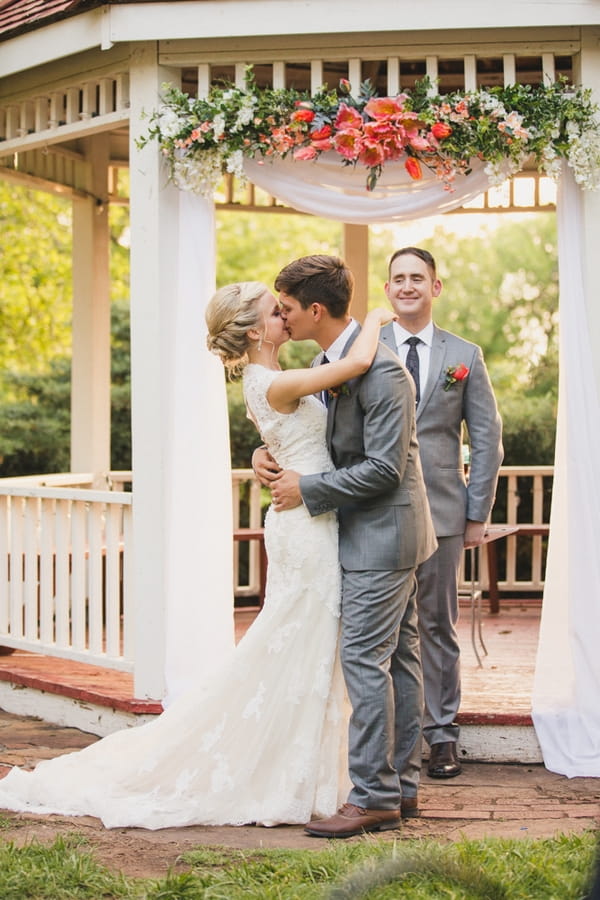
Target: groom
385,531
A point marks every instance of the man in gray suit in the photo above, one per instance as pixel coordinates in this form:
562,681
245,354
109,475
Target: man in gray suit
453,388
385,531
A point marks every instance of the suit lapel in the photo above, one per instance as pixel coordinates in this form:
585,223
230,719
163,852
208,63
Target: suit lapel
332,405
436,362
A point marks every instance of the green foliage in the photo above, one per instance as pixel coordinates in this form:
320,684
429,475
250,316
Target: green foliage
120,394
35,278
58,872
254,246
557,868
35,423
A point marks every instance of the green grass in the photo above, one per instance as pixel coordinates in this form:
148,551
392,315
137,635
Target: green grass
492,869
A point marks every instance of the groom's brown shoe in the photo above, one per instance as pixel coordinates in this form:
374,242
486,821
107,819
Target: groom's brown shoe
443,762
350,820
409,808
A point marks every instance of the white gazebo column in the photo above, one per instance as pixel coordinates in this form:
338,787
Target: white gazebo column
182,521
90,372
356,254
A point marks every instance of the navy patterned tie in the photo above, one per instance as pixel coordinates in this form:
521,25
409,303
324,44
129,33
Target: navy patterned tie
412,362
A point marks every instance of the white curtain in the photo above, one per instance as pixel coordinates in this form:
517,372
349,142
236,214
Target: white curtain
566,695
329,189
199,524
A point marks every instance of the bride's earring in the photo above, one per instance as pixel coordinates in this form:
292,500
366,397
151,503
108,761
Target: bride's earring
260,343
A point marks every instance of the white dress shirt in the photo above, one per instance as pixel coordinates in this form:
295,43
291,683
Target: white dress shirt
423,349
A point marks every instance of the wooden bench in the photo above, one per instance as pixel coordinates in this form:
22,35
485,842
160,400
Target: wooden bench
256,534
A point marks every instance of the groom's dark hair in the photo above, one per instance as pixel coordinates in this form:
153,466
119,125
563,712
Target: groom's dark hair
318,279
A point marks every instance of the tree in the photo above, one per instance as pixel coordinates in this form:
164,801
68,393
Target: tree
35,278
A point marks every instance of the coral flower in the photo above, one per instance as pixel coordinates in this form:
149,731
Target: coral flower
413,167
348,117
302,115
319,134
441,130
377,107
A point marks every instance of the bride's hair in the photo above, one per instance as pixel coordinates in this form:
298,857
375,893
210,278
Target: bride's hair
231,313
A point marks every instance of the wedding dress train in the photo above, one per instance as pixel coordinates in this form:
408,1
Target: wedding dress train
264,740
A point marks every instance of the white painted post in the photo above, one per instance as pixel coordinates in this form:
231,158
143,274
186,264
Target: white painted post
153,270
182,526
90,373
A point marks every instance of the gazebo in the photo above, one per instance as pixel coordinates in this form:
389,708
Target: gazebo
78,81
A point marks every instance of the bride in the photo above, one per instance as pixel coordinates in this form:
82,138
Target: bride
264,740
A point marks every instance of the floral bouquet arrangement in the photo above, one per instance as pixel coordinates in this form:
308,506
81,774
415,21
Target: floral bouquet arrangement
203,138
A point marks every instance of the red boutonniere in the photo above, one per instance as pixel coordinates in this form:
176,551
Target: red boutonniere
454,374
342,389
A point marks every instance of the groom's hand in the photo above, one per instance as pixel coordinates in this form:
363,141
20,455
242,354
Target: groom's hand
285,490
265,467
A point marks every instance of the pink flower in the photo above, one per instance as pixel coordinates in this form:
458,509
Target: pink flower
348,143
419,143
305,153
371,154
347,117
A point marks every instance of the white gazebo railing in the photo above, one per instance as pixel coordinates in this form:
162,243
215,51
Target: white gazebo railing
65,573
66,554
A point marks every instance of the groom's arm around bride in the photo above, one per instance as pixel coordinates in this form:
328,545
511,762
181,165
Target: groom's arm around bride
385,531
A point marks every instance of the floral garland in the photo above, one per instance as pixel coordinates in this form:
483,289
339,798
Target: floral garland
201,139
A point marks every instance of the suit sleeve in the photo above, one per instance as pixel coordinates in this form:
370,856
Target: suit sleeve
484,426
371,463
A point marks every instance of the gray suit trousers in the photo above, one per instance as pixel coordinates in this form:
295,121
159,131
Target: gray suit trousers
384,681
437,603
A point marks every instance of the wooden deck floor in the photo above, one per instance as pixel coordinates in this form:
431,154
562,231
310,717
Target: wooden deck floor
499,690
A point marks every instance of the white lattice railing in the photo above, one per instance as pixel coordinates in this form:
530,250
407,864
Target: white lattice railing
64,573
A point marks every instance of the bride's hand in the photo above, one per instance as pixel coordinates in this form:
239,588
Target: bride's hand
381,315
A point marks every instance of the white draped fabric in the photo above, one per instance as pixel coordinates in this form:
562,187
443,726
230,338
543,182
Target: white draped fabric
199,522
327,188
567,683
566,696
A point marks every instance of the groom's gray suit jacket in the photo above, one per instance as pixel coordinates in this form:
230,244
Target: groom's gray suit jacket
440,417
377,486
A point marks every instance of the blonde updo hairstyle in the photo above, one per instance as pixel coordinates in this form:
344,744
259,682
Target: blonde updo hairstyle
230,315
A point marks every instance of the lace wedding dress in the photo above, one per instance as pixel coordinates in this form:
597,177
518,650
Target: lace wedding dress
264,740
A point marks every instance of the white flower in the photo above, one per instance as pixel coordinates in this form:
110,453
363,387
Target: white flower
583,156
218,124
168,122
235,164
200,173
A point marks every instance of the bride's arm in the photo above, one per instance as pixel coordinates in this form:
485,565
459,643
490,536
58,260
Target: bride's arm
287,388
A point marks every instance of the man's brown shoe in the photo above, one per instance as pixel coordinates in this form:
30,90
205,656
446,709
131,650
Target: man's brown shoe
350,820
443,762
409,808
